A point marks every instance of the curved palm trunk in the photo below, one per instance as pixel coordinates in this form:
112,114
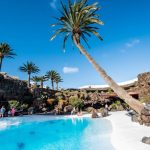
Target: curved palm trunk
29,79
133,103
1,61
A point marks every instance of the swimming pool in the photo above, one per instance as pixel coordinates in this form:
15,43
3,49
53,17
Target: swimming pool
54,133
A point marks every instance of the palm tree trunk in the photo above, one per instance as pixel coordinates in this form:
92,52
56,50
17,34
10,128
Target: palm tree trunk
57,86
42,84
52,84
29,78
1,61
35,83
133,103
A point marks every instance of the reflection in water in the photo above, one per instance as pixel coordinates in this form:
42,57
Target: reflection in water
76,119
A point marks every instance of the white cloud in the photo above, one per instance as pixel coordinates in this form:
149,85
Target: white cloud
53,4
70,70
132,43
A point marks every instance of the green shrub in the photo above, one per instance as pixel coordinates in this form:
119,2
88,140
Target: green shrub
13,103
76,102
110,91
115,104
24,106
89,109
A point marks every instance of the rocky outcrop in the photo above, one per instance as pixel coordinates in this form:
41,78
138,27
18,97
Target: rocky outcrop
12,88
68,108
146,140
143,118
94,114
104,112
144,87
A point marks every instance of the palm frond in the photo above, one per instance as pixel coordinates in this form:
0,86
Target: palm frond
6,51
29,67
78,18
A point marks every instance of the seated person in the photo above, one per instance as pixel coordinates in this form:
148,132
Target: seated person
94,113
79,113
73,111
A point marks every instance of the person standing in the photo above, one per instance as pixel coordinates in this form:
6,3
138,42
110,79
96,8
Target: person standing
2,111
106,107
13,111
9,113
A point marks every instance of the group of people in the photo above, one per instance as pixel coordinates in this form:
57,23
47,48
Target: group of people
94,112
78,112
11,112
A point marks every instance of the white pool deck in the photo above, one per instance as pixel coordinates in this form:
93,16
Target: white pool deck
126,135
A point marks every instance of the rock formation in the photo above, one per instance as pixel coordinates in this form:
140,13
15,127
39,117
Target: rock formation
12,88
144,87
146,140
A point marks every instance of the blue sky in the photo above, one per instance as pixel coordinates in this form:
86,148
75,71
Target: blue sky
124,53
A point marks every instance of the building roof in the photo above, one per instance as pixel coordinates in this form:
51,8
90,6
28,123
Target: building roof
123,84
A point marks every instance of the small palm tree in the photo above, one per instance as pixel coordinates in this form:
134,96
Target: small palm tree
30,68
51,75
5,52
57,80
35,79
79,21
42,79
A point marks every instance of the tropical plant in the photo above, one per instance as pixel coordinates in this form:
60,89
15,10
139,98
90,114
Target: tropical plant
76,102
29,68
52,76
79,21
42,79
35,79
59,95
5,52
13,104
57,80
24,106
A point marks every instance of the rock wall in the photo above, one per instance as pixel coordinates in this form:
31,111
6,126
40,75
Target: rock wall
144,87
12,88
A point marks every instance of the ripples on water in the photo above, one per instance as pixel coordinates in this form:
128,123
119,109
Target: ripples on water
40,133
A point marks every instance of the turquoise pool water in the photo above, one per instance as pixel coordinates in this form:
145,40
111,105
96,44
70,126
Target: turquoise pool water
42,133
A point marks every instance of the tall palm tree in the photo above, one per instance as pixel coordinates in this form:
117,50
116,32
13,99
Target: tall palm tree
51,75
30,68
79,21
57,80
5,52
